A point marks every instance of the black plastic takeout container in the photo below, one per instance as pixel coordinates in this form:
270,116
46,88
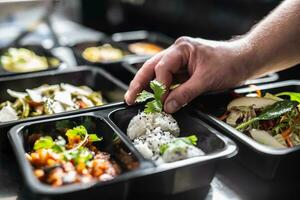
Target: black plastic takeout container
148,180
267,162
185,175
143,36
113,67
97,79
21,140
39,50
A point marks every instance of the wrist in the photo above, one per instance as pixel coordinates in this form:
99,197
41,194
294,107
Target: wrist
248,63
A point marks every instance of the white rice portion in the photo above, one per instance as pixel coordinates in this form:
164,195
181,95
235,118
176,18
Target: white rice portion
144,123
149,144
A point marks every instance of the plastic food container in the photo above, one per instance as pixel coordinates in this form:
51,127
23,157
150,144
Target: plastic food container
113,67
131,37
97,79
39,50
112,189
146,181
267,162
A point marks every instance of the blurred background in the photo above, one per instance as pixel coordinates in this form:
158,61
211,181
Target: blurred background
214,19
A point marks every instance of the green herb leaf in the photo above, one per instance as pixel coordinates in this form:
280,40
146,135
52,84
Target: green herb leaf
271,112
76,131
81,154
153,107
192,139
156,104
179,142
44,143
158,88
144,96
294,96
163,148
94,138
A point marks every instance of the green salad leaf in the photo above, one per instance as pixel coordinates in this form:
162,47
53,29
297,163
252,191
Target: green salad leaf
294,96
271,112
44,143
82,132
154,106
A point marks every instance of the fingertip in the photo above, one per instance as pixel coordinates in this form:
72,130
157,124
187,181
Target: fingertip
127,99
171,106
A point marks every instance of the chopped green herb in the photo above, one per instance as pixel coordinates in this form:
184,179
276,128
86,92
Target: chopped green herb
155,105
44,143
94,138
178,143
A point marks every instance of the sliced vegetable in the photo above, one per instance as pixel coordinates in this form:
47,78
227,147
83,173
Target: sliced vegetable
256,102
264,137
274,111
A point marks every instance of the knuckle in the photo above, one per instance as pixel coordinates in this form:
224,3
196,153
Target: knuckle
182,39
158,67
184,44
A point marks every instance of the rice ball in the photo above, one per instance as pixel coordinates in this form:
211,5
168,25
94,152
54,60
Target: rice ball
142,122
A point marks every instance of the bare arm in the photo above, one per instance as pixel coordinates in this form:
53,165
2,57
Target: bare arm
273,45
275,41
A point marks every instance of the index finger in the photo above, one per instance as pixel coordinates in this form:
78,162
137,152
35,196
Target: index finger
142,78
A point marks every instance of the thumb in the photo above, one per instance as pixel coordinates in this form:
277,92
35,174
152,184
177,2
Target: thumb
183,94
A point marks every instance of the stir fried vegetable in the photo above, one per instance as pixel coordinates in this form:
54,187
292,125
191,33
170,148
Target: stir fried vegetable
23,60
270,120
48,99
58,162
104,53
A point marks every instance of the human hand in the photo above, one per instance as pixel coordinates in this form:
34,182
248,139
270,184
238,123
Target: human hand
201,65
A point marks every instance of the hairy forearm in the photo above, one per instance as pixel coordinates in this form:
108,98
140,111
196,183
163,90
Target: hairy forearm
275,41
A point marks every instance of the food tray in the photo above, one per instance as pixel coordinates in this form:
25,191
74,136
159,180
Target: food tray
149,179
113,67
267,162
39,50
97,79
143,36
113,189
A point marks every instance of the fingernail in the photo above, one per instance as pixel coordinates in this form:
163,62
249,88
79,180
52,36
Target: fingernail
126,97
172,106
